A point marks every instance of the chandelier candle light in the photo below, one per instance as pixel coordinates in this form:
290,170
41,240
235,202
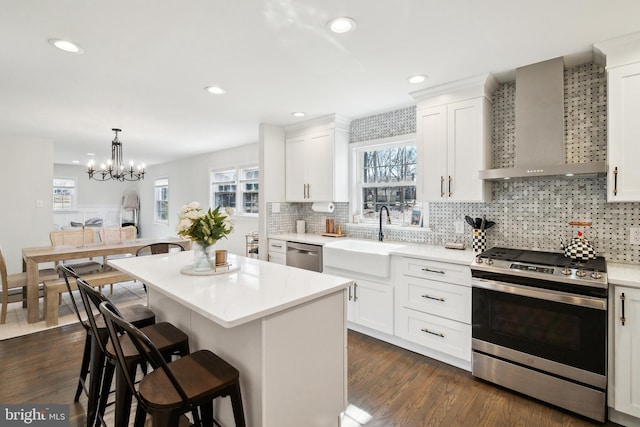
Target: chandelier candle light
115,168
205,229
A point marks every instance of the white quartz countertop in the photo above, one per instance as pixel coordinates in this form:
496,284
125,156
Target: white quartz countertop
310,238
623,274
256,290
415,250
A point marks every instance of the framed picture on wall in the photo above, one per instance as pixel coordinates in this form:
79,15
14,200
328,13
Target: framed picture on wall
416,217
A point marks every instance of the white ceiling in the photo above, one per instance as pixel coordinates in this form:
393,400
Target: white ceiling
146,63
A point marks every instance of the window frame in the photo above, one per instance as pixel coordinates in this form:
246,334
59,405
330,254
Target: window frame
158,184
239,183
74,196
358,184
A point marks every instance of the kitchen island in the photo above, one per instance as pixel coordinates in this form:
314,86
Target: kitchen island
283,328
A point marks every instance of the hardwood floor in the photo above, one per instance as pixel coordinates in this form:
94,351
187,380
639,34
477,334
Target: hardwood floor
401,388
397,387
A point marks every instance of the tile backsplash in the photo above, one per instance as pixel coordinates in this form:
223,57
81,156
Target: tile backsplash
529,213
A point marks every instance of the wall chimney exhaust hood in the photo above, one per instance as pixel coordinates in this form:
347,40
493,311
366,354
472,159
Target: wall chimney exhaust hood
540,127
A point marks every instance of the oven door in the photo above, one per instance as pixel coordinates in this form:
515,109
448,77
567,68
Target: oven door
566,329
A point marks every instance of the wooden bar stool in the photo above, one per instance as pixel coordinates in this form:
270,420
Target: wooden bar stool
137,314
188,384
172,341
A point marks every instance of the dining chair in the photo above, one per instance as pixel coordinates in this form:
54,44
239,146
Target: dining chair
172,389
116,235
159,248
170,341
137,314
18,281
78,237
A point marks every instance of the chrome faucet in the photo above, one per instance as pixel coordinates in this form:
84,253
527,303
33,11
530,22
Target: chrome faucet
380,233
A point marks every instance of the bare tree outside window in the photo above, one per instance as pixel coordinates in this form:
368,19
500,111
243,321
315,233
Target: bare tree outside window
389,179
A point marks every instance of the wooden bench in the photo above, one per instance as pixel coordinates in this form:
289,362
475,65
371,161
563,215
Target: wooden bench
54,288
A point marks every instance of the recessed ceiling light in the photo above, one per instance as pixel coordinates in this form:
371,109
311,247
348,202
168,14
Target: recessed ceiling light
417,79
216,90
66,45
75,162
91,154
341,24
298,114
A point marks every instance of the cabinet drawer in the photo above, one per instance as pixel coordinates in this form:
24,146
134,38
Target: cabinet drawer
441,271
443,335
277,246
434,297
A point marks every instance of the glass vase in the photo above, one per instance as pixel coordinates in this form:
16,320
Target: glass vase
203,256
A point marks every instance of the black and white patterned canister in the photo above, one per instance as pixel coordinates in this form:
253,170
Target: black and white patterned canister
479,243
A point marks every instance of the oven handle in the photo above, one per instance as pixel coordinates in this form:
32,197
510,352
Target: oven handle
543,294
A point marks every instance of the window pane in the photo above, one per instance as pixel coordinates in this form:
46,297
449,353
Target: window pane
390,165
224,176
399,201
161,200
64,193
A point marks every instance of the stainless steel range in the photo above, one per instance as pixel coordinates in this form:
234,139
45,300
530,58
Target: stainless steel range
539,326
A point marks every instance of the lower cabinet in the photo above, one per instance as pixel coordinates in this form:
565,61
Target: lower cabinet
277,251
371,305
433,306
627,350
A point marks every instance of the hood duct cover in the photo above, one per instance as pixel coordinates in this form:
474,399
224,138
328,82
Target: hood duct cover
540,126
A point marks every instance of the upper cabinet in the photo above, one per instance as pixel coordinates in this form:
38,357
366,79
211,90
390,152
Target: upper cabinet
317,161
623,138
622,58
453,139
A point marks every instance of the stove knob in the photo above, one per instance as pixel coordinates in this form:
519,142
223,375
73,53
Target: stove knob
566,271
489,261
478,260
596,274
581,273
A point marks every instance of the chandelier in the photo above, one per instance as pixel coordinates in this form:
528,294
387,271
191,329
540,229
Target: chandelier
115,169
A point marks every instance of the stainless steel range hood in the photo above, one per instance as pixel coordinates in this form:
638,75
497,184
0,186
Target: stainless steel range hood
540,127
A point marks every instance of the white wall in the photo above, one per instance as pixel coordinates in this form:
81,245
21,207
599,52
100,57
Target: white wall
26,177
189,181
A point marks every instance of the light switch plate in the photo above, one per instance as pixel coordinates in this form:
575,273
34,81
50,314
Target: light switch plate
459,225
634,235
275,207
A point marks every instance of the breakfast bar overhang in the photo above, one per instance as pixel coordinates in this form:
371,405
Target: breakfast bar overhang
283,328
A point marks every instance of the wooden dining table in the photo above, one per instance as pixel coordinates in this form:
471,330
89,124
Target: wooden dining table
31,257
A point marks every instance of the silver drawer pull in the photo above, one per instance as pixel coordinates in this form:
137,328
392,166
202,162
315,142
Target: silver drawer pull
440,334
276,246
430,297
428,270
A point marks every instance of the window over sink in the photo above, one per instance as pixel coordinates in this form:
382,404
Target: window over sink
386,176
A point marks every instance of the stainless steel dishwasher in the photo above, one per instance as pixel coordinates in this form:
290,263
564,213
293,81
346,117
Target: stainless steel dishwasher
303,255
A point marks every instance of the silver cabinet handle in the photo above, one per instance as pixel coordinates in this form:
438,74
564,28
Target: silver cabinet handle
439,334
276,246
349,293
450,179
434,298
308,191
355,292
441,186
429,270
615,181
622,318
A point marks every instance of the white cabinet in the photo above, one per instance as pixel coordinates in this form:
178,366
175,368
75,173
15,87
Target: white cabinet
433,306
623,139
453,137
627,350
369,303
317,166
278,251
